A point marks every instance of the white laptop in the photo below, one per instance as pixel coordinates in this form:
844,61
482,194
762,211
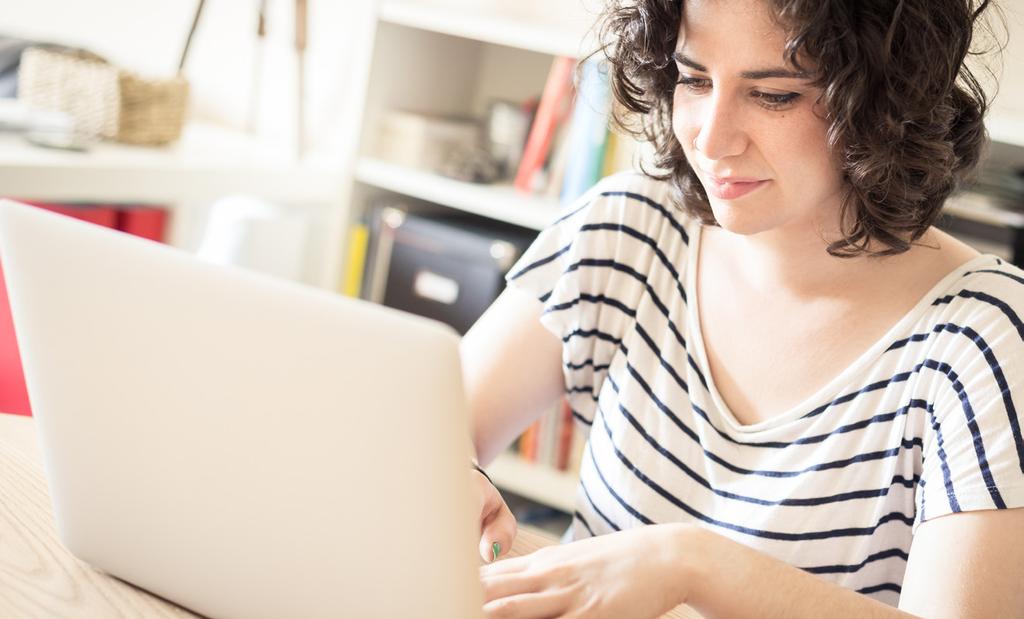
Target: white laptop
243,446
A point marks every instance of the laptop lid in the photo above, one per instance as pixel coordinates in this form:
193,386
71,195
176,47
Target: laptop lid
241,445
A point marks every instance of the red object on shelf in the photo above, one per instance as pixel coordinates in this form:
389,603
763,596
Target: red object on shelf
148,222
565,436
100,215
13,395
557,91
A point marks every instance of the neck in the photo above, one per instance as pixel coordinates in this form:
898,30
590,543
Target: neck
794,261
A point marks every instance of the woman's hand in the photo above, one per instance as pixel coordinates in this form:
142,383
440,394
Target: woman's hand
497,524
635,574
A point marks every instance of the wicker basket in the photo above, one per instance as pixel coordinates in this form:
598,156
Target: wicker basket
105,101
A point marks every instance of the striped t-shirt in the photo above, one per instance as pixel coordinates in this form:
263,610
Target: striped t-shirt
922,424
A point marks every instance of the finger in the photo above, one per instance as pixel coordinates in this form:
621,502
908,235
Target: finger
507,566
507,584
528,605
489,507
498,532
484,489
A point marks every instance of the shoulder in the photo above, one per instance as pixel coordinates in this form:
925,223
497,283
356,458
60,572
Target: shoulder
978,319
631,185
626,196
631,204
990,292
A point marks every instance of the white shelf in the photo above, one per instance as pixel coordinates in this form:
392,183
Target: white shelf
206,163
560,30
534,481
450,58
977,207
501,202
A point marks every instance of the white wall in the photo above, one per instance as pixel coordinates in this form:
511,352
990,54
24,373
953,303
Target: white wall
1010,100
147,36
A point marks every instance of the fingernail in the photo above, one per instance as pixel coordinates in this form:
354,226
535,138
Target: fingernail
496,549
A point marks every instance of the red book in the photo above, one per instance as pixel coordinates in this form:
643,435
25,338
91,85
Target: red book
565,438
552,104
100,215
13,395
146,221
528,443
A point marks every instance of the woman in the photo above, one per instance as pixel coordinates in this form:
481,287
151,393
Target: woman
797,391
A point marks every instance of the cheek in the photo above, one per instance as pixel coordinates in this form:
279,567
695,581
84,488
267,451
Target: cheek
800,147
821,159
682,125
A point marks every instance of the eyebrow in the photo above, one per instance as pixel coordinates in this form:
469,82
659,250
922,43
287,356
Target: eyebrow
758,74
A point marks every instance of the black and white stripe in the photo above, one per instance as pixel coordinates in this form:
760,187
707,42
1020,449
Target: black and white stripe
927,423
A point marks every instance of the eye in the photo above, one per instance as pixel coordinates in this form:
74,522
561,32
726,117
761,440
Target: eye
774,101
695,84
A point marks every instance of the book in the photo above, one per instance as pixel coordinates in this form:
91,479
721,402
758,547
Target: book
13,394
611,153
566,431
149,222
589,131
553,101
620,154
358,242
548,447
507,127
99,214
559,160
528,442
576,450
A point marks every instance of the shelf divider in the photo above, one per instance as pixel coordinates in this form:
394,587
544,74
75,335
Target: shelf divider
500,24
501,202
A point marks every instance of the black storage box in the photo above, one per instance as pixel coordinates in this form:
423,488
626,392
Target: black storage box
446,267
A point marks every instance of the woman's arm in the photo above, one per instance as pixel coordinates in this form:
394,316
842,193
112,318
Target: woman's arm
969,564
512,370
730,579
961,565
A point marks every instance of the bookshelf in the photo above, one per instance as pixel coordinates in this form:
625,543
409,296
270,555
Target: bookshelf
515,25
449,58
976,208
538,482
452,58
501,202
207,163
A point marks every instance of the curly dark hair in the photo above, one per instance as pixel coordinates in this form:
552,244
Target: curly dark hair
904,112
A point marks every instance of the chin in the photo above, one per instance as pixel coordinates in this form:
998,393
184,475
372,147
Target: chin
738,220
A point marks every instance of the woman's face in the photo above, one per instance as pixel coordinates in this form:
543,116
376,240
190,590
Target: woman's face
747,123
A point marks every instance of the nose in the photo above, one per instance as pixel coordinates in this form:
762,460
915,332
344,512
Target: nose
720,130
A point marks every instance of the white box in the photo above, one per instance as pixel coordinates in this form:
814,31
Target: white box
423,141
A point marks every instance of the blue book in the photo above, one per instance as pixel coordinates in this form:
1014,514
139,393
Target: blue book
588,131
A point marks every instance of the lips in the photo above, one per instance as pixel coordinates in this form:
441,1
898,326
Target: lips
731,188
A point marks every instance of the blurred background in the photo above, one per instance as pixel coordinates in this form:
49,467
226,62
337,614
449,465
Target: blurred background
402,151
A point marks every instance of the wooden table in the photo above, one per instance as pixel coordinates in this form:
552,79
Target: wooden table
40,578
